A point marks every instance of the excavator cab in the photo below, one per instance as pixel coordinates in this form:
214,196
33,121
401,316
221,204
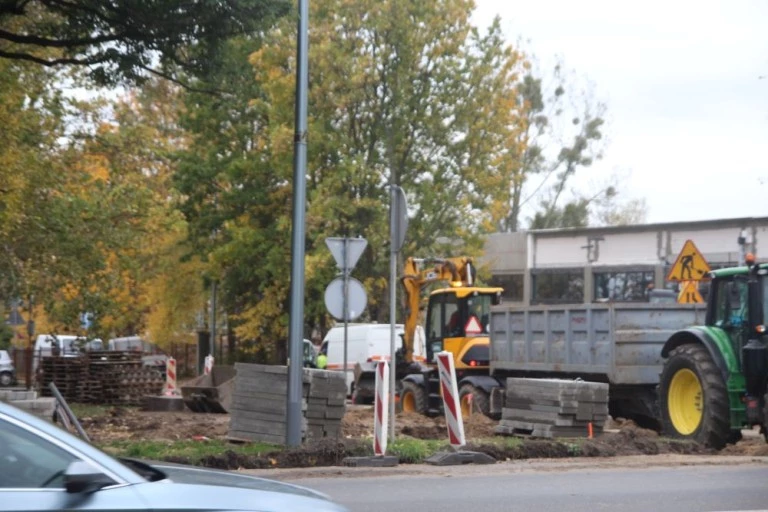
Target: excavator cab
457,321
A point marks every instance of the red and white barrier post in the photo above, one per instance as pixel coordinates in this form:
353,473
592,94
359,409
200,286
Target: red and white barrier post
208,366
381,409
450,392
170,377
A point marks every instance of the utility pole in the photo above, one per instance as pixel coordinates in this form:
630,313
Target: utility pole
296,326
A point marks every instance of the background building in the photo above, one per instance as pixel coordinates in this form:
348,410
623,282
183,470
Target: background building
618,263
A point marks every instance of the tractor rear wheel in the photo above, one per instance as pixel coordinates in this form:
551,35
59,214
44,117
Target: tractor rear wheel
694,398
413,398
473,400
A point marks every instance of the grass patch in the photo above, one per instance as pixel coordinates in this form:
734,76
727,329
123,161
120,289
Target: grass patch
414,451
193,451
90,410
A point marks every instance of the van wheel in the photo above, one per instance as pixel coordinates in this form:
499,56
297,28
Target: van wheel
6,379
413,399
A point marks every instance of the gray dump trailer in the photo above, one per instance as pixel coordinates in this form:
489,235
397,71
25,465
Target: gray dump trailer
619,344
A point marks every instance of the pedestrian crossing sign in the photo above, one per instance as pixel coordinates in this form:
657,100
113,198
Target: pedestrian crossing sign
689,293
690,265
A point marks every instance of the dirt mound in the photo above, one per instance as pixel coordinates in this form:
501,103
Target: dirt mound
625,438
358,422
122,423
322,453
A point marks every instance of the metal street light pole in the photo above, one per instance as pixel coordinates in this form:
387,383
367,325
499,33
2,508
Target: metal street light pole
296,326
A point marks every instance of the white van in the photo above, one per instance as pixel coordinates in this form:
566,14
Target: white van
65,345
366,343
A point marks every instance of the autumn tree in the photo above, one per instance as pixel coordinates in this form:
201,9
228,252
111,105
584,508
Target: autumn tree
400,92
128,161
562,132
125,40
40,226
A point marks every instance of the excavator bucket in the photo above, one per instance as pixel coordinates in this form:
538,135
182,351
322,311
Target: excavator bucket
211,393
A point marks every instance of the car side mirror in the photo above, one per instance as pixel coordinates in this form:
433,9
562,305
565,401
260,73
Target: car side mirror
82,477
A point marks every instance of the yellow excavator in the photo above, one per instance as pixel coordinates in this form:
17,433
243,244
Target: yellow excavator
457,322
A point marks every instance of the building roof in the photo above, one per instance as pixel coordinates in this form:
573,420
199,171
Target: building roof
686,225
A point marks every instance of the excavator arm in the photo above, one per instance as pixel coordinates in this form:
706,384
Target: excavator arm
418,273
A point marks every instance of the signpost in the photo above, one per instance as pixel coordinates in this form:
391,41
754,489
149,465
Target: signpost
689,268
345,297
398,225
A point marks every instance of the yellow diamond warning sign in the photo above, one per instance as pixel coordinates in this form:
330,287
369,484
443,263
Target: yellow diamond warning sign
690,265
689,293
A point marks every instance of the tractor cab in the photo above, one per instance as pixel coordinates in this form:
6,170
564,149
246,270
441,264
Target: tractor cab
457,321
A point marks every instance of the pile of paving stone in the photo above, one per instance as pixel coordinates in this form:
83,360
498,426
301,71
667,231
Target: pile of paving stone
259,403
553,408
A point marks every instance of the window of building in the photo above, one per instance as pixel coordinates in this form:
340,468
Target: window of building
623,286
558,287
512,285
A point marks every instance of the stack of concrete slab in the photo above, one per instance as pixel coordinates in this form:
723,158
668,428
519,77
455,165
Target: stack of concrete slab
326,403
553,408
29,401
259,403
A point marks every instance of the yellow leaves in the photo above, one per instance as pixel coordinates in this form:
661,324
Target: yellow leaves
69,292
269,315
96,166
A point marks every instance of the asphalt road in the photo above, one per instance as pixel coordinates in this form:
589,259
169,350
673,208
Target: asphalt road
696,488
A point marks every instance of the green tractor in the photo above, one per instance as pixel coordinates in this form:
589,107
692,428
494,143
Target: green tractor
713,383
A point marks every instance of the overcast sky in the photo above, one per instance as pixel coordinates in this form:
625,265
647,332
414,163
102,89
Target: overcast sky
687,111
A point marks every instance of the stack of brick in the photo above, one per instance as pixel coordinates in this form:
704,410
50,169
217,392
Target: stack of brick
553,408
259,403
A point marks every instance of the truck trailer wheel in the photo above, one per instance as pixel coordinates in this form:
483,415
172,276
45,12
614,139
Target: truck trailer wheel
413,398
694,399
474,398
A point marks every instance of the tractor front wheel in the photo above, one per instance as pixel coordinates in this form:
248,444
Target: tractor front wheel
694,398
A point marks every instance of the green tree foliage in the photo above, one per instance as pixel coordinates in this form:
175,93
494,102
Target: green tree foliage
40,224
126,164
400,92
124,39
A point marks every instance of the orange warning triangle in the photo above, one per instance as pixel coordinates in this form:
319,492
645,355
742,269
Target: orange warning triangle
473,326
689,293
690,265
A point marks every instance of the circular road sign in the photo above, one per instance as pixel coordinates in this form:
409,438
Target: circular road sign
356,302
